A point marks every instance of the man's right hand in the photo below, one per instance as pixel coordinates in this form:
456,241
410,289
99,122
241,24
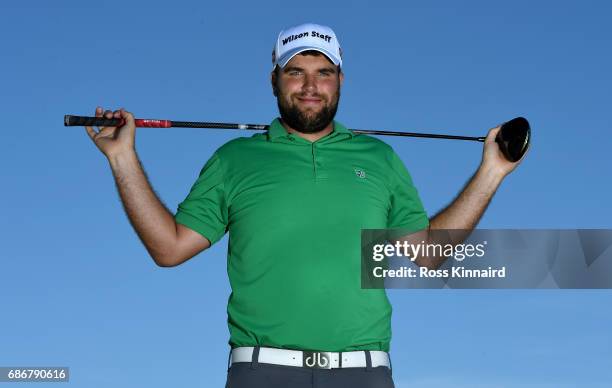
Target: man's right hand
113,141
168,243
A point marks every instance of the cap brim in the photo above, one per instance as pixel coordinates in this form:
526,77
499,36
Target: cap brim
283,60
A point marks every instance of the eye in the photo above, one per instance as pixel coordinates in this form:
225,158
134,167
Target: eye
295,72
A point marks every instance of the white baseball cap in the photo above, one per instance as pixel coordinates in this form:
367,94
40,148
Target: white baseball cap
304,37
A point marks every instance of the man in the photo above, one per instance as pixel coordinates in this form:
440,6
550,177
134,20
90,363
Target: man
294,201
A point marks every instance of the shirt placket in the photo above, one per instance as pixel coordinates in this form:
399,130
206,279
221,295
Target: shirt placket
318,162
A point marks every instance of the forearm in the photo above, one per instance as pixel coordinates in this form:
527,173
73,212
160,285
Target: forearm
458,219
151,220
469,206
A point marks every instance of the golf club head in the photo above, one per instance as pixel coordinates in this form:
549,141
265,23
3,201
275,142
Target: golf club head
514,138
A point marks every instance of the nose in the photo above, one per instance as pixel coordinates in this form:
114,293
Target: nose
309,83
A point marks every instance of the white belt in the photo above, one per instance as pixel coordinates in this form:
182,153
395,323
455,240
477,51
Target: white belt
320,360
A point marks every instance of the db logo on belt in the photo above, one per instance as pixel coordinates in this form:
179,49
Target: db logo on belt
320,360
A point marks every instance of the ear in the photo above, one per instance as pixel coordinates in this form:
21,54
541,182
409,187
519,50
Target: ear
341,77
273,81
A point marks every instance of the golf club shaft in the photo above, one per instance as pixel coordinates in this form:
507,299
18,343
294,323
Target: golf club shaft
71,121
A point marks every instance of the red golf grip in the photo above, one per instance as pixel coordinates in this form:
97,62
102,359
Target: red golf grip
84,121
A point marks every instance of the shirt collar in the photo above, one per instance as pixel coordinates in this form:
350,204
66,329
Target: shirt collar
276,130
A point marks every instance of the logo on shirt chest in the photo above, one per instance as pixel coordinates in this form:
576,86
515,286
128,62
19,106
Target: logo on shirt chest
360,173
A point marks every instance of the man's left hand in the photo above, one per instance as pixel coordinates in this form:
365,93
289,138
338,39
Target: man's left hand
494,159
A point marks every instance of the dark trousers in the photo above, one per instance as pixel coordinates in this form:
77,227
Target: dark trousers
257,375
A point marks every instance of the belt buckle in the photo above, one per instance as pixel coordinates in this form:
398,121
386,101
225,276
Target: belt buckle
317,360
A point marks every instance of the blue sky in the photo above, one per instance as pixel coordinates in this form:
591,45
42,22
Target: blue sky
79,290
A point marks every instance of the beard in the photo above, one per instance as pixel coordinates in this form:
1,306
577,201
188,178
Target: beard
309,121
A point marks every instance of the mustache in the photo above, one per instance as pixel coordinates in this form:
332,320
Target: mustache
310,95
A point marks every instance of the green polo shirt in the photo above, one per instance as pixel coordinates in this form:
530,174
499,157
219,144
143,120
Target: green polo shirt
294,211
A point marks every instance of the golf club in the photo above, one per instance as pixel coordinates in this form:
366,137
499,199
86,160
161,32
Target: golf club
513,138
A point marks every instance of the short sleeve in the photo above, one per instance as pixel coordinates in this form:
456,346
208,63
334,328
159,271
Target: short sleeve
406,210
205,208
